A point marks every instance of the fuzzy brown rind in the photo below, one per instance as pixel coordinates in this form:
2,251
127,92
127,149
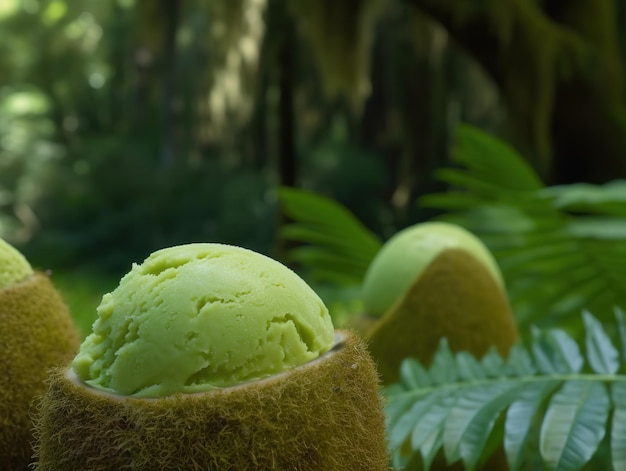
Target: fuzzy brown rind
36,334
326,415
455,297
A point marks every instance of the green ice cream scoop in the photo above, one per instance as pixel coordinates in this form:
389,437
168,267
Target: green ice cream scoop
407,254
13,266
196,317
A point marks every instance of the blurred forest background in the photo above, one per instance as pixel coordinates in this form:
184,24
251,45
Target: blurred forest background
131,125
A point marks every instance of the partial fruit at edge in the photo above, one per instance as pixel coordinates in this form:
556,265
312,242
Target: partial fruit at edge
36,334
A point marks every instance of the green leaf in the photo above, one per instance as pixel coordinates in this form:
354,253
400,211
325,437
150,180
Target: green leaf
428,431
472,419
597,228
621,328
406,423
420,439
492,363
395,410
443,369
583,197
602,355
519,362
544,406
493,160
574,425
413,375
470,182
556,352
339,248
561,249
430,447
468,367
314,236
317,256
307,207
450,201
519,420
618,427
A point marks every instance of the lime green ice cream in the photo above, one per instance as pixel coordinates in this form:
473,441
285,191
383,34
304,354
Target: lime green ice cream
13,266
407,254
196,317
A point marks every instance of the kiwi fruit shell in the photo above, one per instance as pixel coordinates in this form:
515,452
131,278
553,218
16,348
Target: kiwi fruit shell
36,334
455,297
324,415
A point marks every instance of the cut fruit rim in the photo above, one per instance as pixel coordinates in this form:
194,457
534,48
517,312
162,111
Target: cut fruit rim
338,343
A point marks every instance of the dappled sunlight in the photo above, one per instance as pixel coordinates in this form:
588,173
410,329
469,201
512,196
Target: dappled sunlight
231,92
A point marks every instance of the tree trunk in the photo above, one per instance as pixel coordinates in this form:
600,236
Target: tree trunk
171,12
286,146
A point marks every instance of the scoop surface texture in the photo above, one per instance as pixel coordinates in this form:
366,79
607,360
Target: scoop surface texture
13,266
407,254
195,317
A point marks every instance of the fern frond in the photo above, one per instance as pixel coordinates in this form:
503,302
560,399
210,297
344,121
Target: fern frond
561,248
551,397
609,199
338,247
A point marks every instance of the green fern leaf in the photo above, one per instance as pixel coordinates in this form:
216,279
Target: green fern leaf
468,367
574,425
444,369
471,421
406,423
609,199
414,375
556,352
618,427
494,161
520,417
621,329
338,247
421,436
548,397
561,249
428,432
603,356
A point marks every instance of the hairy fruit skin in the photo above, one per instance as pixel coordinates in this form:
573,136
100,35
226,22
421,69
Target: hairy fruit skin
404,257
456,298
324,415
36,334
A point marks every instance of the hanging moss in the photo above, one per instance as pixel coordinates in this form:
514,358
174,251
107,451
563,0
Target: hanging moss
595,21
556,64
340,35
526,53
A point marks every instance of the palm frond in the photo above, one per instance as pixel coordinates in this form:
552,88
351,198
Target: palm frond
554,401
337,248
561,248
490,170
609,199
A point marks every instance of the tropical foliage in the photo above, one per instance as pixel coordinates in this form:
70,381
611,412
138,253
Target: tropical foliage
338,247
561,248
553,404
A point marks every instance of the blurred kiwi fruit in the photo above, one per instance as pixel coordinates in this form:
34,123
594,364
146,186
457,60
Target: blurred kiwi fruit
435,280
36,334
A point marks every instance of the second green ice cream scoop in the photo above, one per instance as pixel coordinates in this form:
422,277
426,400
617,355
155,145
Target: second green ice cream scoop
196,317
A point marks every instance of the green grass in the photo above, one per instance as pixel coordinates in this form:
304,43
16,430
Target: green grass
82,291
